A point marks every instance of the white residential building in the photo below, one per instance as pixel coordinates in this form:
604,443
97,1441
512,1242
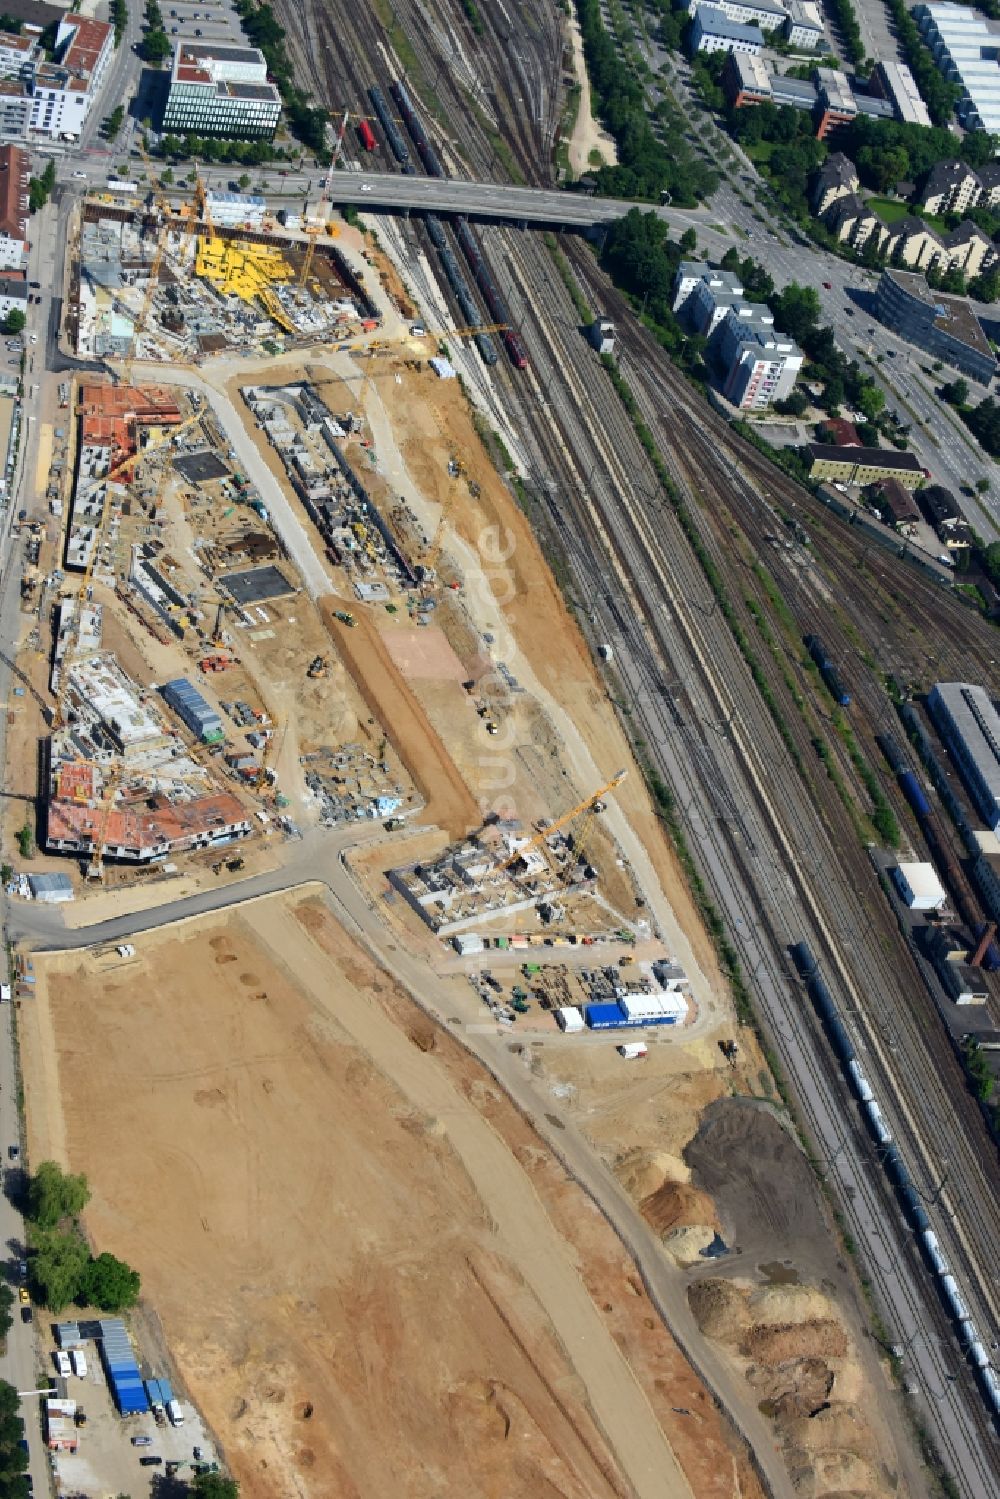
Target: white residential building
713,31
763,13
803,25
63,91
16,54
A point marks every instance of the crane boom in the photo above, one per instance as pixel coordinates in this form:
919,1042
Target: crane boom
561,822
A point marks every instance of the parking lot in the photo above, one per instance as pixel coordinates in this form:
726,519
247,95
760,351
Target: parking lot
203,21
106,1461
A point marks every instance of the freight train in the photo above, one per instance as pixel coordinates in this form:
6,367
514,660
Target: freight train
496,306
897,1172
827,670
367,136
397,145
966,905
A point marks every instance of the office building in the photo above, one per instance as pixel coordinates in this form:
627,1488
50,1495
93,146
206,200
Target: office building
942,327
895,82
964,45
221,91
762,13
63,90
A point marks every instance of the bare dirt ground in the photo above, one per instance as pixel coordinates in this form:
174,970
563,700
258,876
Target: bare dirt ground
344,1229
587,135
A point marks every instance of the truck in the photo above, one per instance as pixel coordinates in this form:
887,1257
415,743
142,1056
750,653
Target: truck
174,1413
633,1050
345,617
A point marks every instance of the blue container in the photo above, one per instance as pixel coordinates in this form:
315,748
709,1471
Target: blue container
604,1017
914,793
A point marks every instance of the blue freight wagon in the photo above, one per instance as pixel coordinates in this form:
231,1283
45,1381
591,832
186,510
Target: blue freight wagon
914,793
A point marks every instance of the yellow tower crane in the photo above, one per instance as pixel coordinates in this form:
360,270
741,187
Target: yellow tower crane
574,812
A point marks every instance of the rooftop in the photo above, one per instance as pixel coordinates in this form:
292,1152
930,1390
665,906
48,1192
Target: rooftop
14,174
826,452
717,23
952,315
144,826
86,42
977,721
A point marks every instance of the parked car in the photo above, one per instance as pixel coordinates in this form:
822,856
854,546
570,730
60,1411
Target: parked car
142,1441
22,1269
14,1151
150,1462
26,1312
77,177
23,1296
828,286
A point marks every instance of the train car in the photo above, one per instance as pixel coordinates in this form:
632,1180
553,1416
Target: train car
487,348
435,231
429,157
827,670
367,136
397,145
914,793
802,957
516,351
892,752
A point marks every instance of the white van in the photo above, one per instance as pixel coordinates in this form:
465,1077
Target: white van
174,1413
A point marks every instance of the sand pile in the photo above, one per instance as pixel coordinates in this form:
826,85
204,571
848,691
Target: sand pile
836,1427
788,1305
644,1172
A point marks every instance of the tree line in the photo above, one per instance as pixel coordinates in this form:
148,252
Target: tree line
60,1266
306,122
647,168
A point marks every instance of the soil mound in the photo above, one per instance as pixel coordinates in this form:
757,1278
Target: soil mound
839,1427
781,1305
686,1244
720,1309
800,1387
775,1345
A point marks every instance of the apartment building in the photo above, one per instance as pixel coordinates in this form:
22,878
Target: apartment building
14,175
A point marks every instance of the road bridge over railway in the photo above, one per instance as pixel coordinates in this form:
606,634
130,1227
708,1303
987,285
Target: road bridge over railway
492,200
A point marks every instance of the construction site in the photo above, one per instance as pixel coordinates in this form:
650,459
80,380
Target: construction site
163,281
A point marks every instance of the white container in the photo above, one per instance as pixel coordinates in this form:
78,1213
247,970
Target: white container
568,1018
79,1361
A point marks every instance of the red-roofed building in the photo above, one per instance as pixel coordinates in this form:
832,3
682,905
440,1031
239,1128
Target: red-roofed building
843,434
14,174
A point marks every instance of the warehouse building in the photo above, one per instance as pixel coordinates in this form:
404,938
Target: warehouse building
942,327
970,726
193,709
919,887
221,91
863,466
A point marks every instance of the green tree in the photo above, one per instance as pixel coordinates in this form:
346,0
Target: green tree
6,1309
155,47
54,1194
244,182
956,392
214,1486
13,1457
15,321
57,1268
110,1284
26,841
796,310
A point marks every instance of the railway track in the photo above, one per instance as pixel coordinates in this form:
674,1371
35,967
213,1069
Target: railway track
591,477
